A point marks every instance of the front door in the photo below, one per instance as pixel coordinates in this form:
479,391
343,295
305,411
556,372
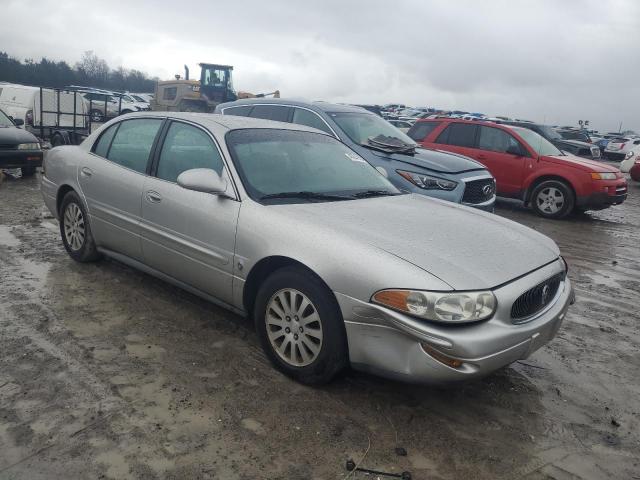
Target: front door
189,235
504,157
112,177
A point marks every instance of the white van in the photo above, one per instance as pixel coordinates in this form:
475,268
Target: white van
23,102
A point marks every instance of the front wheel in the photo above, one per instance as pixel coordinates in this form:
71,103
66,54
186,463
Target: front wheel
300,326
76,231
553,199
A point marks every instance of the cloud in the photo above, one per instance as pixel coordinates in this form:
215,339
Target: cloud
538,59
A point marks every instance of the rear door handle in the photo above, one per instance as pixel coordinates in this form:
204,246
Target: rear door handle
154,197
86,172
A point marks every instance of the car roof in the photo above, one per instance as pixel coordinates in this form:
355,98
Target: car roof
317,105
228,122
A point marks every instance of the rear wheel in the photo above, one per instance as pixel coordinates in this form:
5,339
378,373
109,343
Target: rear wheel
300,326
553,199
96,116
76,231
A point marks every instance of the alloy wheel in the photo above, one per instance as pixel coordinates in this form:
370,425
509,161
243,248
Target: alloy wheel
550,200
74,228
294,327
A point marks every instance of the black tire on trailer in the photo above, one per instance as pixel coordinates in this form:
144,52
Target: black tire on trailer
553,199
300,326
57,140
28,171
75,230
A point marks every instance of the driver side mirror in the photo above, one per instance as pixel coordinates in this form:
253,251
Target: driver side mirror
203,180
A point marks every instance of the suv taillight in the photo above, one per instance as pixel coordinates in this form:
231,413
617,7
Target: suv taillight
29,117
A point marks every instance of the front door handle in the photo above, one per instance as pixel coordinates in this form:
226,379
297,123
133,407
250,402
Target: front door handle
154,197
86,172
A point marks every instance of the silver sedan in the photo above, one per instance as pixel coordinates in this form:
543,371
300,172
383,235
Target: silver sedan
289,226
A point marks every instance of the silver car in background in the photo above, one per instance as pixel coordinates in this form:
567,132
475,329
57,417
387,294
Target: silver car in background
286,224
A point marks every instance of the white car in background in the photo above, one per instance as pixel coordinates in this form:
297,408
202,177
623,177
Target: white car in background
618,147
631,158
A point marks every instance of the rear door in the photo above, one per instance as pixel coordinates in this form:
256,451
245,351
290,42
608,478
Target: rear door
279,113
189,235
459,138
112,176
505,157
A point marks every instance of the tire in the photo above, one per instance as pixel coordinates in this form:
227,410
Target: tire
74,220
57,140
317,347
553,199
96,116
28,171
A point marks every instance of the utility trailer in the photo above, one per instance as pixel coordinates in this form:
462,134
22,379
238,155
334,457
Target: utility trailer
58,116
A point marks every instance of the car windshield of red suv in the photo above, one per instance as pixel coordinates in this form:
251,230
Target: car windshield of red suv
541,145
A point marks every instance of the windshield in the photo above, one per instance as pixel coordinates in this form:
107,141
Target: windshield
549,133
360,127
4,120
272,162
536,141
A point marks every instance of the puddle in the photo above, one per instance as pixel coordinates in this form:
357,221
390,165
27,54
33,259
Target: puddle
7,238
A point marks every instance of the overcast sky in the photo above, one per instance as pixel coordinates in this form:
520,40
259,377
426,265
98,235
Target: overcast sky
545,60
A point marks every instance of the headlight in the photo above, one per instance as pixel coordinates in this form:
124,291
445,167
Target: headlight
29,146
603,176
630,154
451,307
428,182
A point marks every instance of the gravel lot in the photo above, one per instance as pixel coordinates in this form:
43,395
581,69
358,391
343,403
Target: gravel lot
106,372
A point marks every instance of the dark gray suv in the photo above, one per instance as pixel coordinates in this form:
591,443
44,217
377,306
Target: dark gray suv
407,165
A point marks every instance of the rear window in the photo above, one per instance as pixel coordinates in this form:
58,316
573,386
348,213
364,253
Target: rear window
421,130
278,113
459,134
241,111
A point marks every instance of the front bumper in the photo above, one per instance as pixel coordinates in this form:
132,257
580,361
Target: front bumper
14,158
390,344
612,192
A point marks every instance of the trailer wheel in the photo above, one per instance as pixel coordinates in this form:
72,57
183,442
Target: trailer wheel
57,140
96,116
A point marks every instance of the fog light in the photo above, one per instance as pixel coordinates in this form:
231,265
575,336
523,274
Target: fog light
441,357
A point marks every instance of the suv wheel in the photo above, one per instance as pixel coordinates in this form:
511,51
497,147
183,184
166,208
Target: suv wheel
553,199
300,326
76,231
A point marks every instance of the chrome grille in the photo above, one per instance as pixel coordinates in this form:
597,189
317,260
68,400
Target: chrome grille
479,191
535,299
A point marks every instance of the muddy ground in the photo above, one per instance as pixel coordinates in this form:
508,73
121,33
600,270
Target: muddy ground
108,373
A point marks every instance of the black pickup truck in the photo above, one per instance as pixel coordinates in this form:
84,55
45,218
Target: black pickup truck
18,148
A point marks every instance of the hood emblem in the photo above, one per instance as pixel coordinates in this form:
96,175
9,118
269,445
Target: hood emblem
546,290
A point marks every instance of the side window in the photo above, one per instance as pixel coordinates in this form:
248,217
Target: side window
278,113
242,111
186,147
459,134
310,119
496,140
101,147
421,130
132,143
170,93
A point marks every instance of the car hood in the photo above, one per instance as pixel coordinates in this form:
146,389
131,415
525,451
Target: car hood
436,160
582,163
14,136
463,247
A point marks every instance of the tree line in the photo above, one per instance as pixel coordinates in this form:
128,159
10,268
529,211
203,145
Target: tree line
90,71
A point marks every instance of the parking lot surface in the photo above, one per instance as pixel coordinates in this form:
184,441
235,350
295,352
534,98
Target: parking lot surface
106,372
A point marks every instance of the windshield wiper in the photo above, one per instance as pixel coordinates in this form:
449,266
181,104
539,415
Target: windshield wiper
306,196
374,193
390,144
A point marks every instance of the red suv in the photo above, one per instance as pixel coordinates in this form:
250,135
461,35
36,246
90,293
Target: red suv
526,166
